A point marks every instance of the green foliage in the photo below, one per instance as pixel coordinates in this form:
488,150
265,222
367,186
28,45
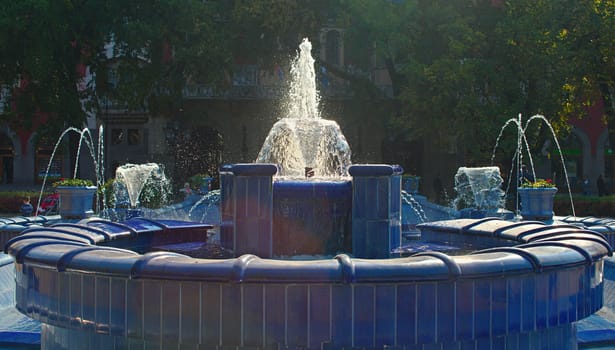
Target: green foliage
458,68
75,182
463,68
196,180
585,205
158,47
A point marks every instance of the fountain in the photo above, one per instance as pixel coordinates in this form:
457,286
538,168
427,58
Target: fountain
118,285
135,183
522,144
97,154
479,191
303,139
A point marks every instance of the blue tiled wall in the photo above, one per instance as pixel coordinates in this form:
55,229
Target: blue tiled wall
461,314
311,217
247,208
376,210
525,297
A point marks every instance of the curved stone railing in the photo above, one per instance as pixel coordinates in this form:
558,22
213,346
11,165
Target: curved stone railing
516,295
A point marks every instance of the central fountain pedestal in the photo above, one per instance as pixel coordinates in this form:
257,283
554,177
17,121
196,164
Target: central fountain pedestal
269,216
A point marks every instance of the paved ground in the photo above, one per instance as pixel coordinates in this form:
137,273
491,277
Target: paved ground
598,330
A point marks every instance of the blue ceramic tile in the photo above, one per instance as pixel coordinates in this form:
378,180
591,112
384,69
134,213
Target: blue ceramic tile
170,307
383,198
542,300
432,346
275,312
89,302
240,196
564,291
374,201
75,300
103,306
341,314
320,296
467,345
483,344
553,311
359,236
358,197
134,309
254,196
190,346
406,313
253,314
482,308
512,342
426,313
385,307
498,307
231,313
63,299
446,312
190,308
465,310
514,305
264,236
498,342
297,315
47,302
524,342
152,312
378,240
364,317
534,340
395,235
528,300
211,314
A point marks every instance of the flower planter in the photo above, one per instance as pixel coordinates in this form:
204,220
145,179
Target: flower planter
76,201
410,184
537,203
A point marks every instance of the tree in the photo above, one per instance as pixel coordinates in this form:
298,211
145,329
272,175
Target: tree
154,47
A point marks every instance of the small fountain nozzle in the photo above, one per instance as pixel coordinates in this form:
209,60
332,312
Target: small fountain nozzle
309,171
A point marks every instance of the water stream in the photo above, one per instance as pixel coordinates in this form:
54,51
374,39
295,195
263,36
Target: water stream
517,160
97,154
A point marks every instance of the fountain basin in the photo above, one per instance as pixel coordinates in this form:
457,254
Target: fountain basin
311,217
109,297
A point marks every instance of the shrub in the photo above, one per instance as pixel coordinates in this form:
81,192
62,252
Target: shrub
73,182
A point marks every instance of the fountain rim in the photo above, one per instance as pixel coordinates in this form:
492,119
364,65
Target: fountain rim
77,249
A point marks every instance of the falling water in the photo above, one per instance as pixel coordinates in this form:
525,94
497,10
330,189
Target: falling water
303,97
302,139
211,214
479,188
518,157
134,177
407,198
97,154
559,149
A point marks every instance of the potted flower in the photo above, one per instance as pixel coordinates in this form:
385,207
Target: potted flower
537,199
76,197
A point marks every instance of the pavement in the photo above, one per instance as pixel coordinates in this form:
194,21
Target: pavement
598,330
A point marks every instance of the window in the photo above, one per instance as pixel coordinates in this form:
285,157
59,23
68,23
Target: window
117,136
134,136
